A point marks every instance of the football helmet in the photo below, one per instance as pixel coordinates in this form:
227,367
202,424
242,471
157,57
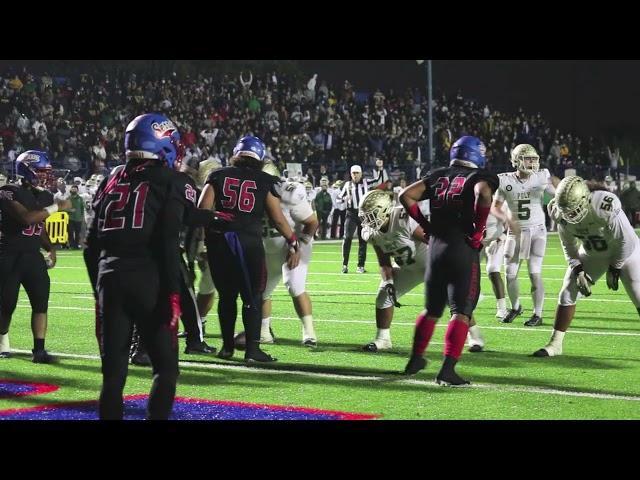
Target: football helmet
572,199
34,167
468,149
154,136
205,168
375,209
525,158
271,169
250,146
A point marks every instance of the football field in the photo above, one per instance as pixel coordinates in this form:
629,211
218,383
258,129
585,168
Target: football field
596,378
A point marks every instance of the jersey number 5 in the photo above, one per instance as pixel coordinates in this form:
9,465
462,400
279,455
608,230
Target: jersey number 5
245,201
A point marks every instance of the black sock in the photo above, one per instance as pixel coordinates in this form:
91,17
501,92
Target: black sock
38,344
449,364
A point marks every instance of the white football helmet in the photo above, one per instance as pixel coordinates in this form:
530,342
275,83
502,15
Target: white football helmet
375,209
573,199
525,158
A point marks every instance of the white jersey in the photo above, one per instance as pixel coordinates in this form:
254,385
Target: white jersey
296,209
525,197
398,240
604,232
337,205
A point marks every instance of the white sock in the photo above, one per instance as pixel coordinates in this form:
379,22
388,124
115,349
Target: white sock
384,334
307,327
4,343
502,304
475,336
264,331
554,347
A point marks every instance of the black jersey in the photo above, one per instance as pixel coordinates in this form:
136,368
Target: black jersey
242,193
139,213
15,237
451,195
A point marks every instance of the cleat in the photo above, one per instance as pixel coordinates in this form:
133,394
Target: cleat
361,270
510,317
310,342
416,363
225,354
541,353
377,345
182,335
42,356
140,358
475,348
451,379
501,313
345,269
5,354
534,321
259,356
199,348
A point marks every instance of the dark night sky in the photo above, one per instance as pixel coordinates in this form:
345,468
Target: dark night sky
591,97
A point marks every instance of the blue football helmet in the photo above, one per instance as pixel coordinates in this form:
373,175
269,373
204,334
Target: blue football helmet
34,167
469,149
153,136
250,146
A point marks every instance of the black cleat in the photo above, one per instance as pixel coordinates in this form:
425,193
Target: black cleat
310,342
511,315
541,353
451,379
5,355
140,358
259,356
416,363
225,354
475,348
534,321
42,356
182,335
199,348
370,347
345,269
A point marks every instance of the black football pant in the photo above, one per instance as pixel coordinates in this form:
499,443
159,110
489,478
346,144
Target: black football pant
352,224
324,224
189,306
129,292
75,228
452,277
237,268
26,269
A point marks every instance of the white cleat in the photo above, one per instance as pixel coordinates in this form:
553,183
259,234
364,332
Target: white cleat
501,313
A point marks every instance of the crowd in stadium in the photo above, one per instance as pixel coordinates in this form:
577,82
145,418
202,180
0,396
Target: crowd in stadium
79,120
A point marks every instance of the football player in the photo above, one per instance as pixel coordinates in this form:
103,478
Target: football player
242,193
401,247
459,200
597,239
523,191
23,208
301,218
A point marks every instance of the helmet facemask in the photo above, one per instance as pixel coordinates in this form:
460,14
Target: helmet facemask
573,199
525,158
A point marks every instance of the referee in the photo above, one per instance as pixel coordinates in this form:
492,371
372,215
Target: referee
352,194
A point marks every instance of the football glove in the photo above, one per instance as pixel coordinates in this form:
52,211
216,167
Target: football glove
613,276
391,291
475,240
583,280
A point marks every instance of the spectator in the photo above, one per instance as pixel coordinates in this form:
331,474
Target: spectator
323,205
630,199
76,217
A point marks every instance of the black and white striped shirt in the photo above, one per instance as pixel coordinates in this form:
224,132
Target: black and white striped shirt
352,193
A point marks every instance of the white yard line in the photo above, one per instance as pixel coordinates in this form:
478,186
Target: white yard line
377,378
